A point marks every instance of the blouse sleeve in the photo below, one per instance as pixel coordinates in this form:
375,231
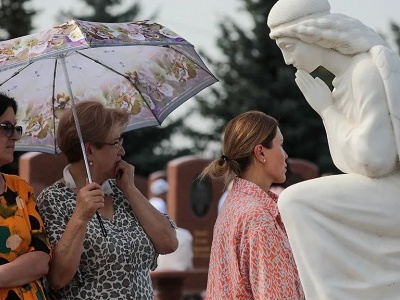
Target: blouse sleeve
154,264
39,241
55,217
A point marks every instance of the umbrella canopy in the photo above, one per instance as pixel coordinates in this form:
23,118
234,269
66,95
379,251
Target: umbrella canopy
141,67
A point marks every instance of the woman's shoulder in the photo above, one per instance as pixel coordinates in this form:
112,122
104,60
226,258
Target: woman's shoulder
248,209
57,187
14,178
16,182
49,199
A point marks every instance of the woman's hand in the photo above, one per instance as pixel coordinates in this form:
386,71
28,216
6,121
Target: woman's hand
316,92
90,198
124,175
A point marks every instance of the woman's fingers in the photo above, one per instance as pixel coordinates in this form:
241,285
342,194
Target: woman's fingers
89,199
316,92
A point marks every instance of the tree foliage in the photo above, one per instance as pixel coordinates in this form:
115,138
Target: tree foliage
15,19
101,11
396,34
254,76
150,149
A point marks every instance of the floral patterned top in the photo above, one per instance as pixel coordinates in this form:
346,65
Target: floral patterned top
21,231
250,256
113,267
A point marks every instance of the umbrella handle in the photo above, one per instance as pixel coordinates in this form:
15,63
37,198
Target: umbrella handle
78,129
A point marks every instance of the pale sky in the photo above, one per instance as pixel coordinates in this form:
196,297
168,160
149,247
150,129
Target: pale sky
196,21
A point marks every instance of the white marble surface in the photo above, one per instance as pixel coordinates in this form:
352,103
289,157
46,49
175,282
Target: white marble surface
344,229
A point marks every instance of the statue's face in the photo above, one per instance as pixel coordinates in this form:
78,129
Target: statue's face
301,55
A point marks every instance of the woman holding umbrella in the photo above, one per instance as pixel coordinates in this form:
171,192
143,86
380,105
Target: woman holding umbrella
87,265
24,249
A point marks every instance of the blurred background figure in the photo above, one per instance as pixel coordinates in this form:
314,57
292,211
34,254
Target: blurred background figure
158,194
182,258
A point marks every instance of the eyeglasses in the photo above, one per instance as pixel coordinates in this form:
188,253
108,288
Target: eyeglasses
117,144
9,129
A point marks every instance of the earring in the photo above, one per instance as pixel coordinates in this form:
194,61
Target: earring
264,160
90,163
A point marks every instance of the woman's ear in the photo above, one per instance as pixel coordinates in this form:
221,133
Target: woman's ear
259,153
88,149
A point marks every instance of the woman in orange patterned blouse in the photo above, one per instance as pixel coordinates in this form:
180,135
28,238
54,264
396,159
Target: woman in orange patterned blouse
24,249
250,256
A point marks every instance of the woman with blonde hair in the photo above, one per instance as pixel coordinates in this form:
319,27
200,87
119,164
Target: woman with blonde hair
86,264
250,255
344,228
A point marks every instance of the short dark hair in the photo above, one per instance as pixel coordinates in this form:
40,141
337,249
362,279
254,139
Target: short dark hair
6,102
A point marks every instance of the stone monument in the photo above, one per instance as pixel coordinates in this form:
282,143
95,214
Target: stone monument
344,229
192,204
41,169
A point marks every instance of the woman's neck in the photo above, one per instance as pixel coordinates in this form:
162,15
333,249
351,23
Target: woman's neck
79,174
255,175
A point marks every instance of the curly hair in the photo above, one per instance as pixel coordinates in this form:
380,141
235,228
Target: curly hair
339,32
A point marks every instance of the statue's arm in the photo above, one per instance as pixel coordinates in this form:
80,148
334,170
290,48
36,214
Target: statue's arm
364,144
316,92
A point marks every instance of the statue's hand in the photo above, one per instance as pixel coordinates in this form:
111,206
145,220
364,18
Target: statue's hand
316,92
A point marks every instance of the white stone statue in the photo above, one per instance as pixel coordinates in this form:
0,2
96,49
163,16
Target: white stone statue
345,229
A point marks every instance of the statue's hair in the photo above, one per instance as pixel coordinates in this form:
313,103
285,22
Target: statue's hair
333,31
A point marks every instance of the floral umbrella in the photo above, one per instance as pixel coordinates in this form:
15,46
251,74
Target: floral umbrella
141,67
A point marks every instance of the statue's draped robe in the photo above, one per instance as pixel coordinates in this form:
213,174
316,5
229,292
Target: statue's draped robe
345,229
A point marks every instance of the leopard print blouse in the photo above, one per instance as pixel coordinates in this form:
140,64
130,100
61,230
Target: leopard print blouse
113,267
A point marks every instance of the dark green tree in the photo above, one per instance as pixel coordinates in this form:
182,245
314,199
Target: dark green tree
108,11
254,76
15,19
396,34
149,149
